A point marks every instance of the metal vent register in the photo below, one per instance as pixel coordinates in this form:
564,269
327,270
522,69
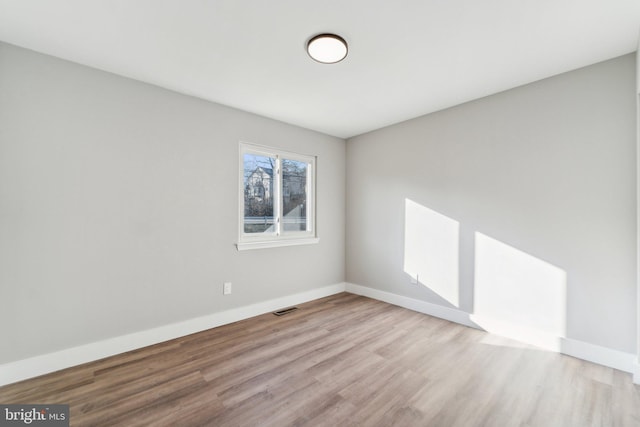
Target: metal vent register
285,311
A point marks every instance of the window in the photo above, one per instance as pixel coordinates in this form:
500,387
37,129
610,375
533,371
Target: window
277,198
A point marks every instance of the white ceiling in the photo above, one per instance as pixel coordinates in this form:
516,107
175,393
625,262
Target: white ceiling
406,58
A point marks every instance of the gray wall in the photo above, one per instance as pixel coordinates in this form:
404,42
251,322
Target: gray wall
119,204
637,379
546,174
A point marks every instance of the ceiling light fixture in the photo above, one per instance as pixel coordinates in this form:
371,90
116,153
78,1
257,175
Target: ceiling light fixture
327,48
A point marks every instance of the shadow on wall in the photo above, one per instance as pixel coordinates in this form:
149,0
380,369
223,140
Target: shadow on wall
514,293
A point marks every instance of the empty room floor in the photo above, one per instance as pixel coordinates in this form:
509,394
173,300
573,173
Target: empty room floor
339,361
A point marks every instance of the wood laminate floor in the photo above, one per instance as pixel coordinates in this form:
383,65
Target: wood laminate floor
344,360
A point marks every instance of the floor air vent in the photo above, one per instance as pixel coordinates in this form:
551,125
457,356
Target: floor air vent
285,311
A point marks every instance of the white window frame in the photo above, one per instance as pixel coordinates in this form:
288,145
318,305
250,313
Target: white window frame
278,237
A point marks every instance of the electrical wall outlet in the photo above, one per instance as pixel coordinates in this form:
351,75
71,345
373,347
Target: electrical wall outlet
226,288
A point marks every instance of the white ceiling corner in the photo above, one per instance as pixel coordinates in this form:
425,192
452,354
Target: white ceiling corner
405,59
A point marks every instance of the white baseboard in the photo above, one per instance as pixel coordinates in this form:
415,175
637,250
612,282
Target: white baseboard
616,359
452,314
51,362
605,356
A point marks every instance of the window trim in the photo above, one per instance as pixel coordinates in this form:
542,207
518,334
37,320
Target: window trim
279,237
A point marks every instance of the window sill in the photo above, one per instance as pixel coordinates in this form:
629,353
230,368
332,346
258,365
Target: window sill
244,246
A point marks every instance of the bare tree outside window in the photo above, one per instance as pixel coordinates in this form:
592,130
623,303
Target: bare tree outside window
277,198
258,193
294,195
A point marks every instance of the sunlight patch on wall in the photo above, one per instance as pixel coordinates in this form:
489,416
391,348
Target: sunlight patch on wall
431,250
519,290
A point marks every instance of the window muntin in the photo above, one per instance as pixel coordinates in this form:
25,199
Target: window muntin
277,204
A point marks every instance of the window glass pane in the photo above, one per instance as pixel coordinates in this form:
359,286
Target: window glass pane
294,195
258,193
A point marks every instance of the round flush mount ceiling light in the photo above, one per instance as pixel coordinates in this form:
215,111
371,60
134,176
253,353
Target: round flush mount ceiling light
327,48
